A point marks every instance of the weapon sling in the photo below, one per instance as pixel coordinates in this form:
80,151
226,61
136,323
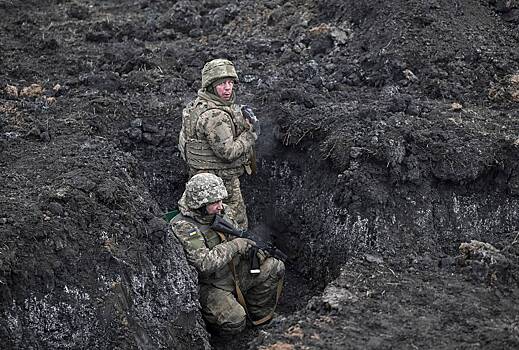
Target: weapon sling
241,298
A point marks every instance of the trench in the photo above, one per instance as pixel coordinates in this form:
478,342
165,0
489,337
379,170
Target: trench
321,222
322,217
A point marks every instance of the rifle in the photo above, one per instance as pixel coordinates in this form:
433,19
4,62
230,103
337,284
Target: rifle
224,226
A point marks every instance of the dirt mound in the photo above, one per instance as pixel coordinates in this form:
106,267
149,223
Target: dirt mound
377,304
86,262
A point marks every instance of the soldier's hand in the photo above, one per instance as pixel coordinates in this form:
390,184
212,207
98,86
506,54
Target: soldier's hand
262,256
243,244
251,117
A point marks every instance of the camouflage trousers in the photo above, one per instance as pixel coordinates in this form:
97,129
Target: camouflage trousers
235,202
234,199
221,308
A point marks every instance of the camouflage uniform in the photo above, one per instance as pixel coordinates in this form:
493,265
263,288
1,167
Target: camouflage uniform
214,254
216,138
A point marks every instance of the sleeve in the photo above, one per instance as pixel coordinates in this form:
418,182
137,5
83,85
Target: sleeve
218,129
205,260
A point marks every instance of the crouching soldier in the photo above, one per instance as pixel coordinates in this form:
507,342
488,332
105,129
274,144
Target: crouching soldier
229,294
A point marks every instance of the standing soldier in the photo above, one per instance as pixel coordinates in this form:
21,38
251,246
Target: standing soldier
229,293
218,136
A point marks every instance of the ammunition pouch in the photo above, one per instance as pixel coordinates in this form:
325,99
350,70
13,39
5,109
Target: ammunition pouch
200,156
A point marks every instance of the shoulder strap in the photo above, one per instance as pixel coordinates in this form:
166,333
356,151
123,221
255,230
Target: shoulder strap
202,228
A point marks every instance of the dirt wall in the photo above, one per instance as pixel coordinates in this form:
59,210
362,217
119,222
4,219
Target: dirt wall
86,260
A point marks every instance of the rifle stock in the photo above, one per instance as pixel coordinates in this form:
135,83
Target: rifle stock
224,226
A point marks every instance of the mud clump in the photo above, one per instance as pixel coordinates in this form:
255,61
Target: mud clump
487,264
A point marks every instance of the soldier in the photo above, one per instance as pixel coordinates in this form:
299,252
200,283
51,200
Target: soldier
229,294
218,136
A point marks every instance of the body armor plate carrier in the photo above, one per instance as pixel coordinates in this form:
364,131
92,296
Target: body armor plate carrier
196,152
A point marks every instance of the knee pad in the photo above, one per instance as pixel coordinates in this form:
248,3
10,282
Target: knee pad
275,267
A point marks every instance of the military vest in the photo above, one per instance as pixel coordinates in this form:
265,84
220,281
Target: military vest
208,237
202,237
196,151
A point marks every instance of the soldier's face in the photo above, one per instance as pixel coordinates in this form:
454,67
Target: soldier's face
224,90
214,208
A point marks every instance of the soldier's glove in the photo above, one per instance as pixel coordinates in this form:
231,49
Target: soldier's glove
243,244
243,233
249,115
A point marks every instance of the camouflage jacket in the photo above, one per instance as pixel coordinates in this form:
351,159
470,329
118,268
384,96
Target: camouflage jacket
215,136
208,251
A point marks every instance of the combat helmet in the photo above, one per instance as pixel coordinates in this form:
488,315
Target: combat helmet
203,189
217,69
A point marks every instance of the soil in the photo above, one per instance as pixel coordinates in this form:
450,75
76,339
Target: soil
388,170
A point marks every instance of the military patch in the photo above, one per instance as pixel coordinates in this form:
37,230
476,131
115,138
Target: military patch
195,240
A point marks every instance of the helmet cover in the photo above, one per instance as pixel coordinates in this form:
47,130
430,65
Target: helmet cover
203,189
217,69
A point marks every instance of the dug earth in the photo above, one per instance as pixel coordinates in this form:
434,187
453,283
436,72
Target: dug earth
388,170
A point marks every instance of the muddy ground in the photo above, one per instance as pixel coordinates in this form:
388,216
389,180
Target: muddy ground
388,170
